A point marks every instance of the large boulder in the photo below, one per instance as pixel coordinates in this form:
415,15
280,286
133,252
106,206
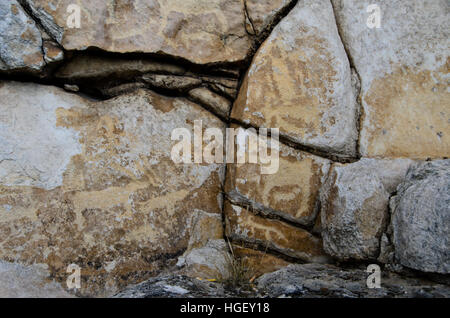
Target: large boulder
93,183
202,31
421,218
355,206
403,67
300,81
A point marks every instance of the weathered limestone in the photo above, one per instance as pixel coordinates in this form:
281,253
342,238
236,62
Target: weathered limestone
211,261
92,183
404,69
202,31
355,204
20,39
33,281
52,53
291,193
421,218
300,81
207,253
243,225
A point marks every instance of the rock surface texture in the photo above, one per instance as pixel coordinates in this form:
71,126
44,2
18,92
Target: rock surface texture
82,182
20,39
294,281
202,31
421,218
403,67
355,206
300,81
315,133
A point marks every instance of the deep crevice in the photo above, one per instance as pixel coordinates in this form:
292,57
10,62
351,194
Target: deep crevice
264,248
265,212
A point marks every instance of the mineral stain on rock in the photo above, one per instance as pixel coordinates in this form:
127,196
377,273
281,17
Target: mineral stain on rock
87,178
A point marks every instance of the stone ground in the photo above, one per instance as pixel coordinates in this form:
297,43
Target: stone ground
296,281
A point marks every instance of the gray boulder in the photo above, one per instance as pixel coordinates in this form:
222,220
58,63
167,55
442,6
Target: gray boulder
421,218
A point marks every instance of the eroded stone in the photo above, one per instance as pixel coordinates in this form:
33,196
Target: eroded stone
91,66
20,39
92,183
202,31
421,218
33,281
258,263
218,104
404,69
243,225
300,82
291,193
355,202
261,13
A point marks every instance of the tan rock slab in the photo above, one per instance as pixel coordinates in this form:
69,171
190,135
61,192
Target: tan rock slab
258,263
291,193
92,183
404,70
300,82
243,225
201,31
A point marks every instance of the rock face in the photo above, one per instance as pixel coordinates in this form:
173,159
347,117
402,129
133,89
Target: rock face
421,218
244,225
404,68
292,193
19,281
300,81
174,286
355,205
355,170
20,39
204,31
207,254
92,183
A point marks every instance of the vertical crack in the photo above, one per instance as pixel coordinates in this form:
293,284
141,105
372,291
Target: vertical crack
356,86
249,19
